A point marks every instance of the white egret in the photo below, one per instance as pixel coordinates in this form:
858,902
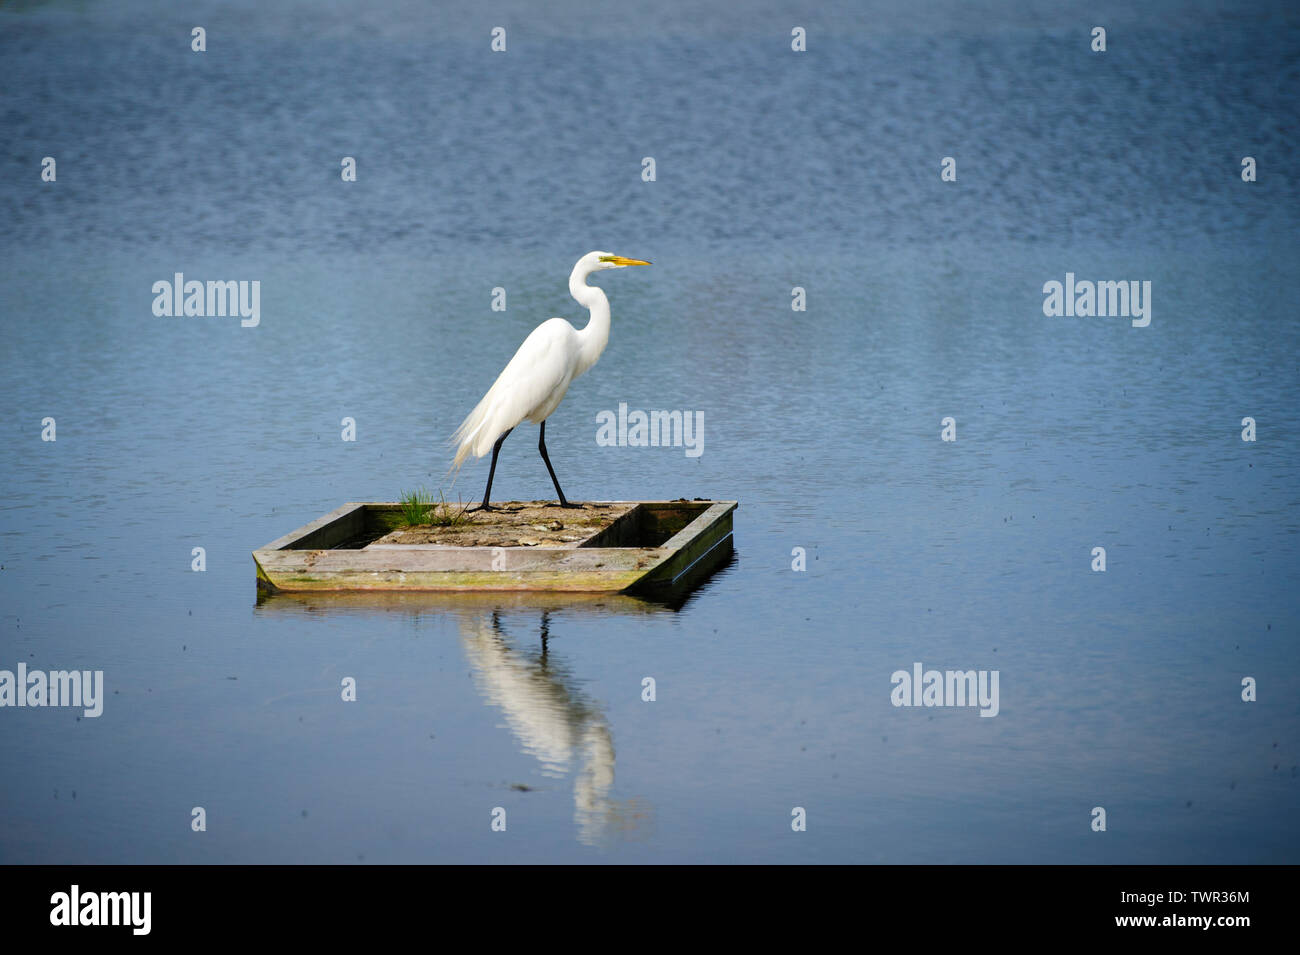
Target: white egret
535,381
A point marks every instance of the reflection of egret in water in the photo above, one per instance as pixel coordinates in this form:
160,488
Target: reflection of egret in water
553,721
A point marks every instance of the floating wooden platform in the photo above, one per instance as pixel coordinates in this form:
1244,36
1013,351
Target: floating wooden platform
637,547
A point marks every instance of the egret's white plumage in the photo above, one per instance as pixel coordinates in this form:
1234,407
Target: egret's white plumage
531,387
535,381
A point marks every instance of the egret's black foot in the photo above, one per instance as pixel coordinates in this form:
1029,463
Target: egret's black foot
573,507
481,507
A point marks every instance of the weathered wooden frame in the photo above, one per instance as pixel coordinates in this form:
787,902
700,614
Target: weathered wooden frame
303,561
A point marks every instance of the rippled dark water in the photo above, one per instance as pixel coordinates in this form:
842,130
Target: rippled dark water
774,170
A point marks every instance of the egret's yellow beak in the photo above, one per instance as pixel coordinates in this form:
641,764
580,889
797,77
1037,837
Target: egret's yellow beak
620,260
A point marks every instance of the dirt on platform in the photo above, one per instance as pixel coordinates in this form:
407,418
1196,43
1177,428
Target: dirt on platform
515,524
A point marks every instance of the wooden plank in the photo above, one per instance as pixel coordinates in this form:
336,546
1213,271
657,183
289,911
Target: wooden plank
717,511
352,515
444,560
467,568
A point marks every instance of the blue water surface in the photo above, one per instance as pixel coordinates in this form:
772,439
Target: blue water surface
773,170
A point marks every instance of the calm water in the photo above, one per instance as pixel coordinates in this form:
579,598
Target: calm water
774,170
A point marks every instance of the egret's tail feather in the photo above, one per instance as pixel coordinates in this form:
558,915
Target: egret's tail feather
467,435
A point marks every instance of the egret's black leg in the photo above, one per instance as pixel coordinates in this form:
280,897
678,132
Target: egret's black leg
541,446
487,494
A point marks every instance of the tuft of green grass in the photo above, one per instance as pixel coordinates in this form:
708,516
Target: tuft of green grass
415,507
419,509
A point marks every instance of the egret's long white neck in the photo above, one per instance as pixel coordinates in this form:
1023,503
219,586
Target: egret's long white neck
595,335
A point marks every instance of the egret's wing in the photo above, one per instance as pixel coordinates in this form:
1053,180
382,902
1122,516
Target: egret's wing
542,366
